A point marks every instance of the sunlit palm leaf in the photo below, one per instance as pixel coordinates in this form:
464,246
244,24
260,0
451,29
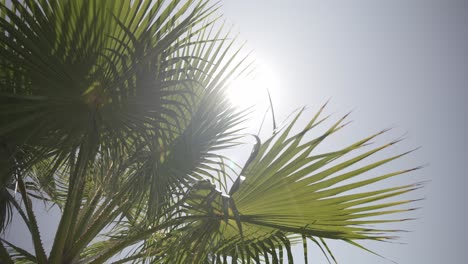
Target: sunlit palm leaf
290,190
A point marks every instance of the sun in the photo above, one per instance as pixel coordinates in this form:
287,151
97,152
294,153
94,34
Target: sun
251,90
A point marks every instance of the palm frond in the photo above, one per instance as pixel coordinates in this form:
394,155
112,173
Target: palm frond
289,191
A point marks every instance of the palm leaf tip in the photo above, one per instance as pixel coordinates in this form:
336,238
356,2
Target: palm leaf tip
291,189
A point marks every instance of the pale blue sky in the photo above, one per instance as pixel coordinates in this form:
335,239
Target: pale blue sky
399,63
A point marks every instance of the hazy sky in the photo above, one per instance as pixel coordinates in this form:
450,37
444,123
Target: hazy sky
398,63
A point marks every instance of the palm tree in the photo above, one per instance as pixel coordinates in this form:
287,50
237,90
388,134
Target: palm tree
115,111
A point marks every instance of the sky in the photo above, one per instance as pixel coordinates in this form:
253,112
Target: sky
401,64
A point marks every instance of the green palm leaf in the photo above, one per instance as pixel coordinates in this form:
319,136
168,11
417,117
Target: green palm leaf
289,191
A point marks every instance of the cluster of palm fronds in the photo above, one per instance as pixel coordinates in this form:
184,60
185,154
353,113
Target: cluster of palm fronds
115,111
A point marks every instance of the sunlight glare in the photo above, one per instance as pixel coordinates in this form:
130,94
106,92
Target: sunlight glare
251,90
